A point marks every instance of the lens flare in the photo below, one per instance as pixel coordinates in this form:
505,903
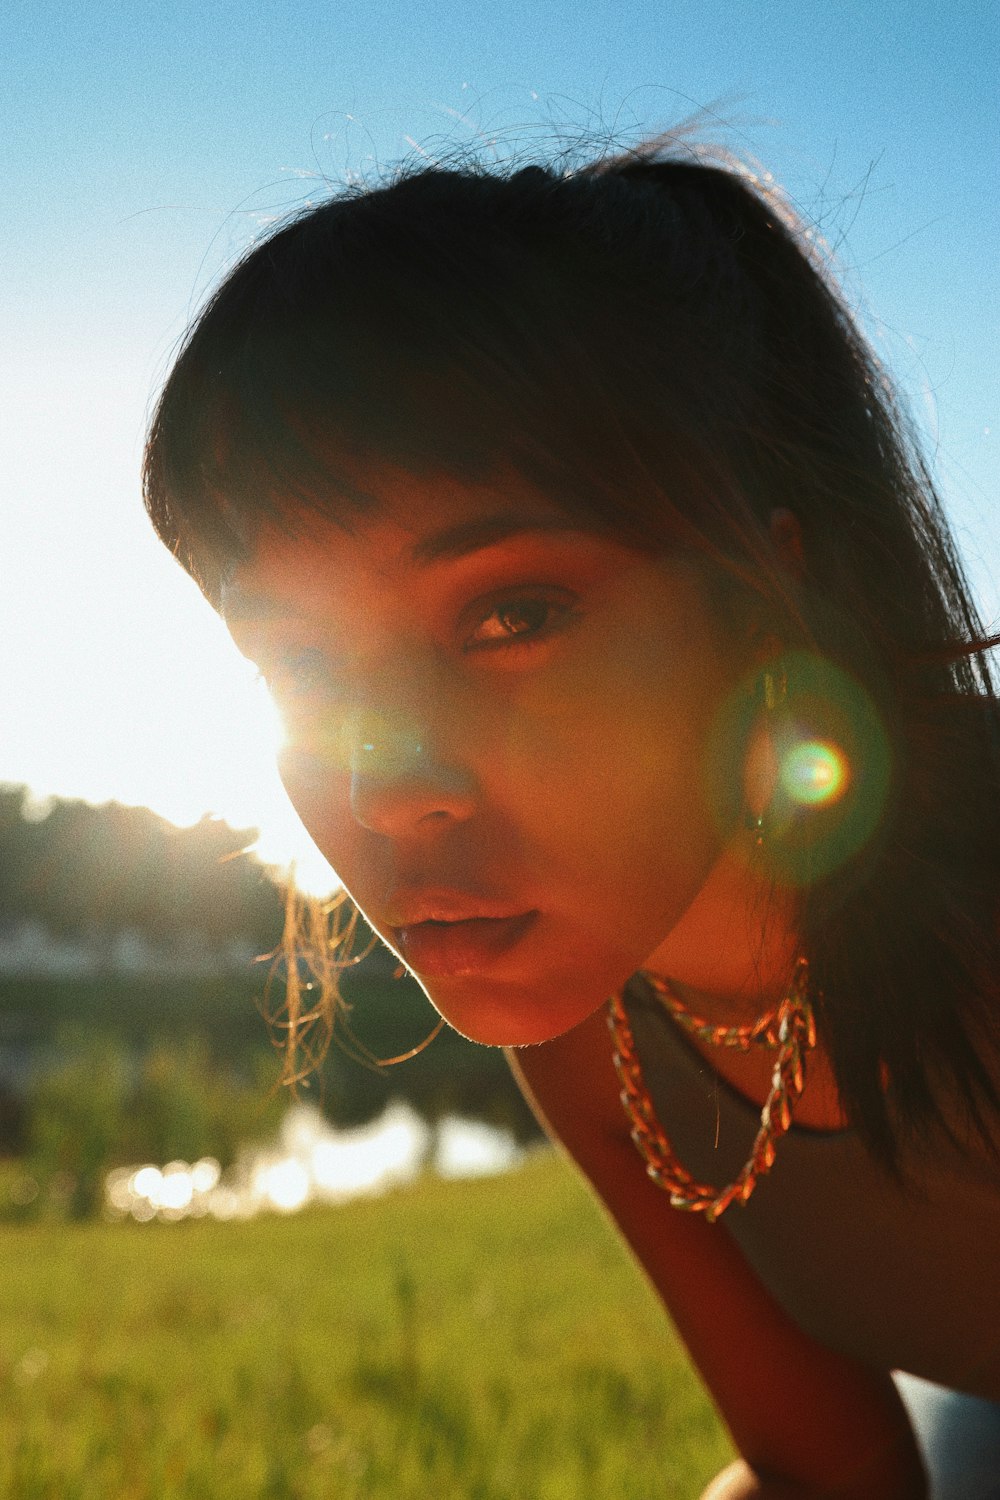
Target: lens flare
815,773
818,756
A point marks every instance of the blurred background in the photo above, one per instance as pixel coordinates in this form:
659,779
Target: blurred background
143,830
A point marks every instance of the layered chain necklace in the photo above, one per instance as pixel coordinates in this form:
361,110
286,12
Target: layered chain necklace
789,1029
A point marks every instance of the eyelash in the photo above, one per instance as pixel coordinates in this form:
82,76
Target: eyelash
300,674
559,605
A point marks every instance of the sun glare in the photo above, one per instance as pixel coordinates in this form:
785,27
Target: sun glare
815,772
164,713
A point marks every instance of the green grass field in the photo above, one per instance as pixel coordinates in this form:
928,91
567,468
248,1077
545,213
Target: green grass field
484,1340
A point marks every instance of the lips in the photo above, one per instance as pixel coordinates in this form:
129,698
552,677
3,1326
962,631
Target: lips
437,947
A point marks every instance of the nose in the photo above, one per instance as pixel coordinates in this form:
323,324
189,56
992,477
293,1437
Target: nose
401,783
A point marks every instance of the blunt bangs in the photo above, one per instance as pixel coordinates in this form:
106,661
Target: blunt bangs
471,336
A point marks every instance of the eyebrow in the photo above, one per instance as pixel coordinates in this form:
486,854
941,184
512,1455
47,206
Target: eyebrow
446,545
486,531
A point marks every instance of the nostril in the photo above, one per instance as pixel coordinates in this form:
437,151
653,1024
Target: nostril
401,777
394,793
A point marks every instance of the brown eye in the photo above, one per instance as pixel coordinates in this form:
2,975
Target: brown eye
518,618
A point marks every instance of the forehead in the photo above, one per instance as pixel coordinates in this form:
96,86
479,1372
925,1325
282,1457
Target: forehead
409,523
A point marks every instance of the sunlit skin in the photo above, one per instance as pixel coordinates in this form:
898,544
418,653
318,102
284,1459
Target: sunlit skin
517,721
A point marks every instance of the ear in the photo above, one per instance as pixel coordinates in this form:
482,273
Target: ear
786,538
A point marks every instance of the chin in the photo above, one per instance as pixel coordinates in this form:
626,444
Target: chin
508,1015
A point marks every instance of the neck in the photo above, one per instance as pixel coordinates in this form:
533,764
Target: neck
732,954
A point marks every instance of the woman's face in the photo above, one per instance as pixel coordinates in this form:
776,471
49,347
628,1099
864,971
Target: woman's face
497,728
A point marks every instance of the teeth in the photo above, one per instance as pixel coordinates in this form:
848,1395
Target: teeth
451,921
448,915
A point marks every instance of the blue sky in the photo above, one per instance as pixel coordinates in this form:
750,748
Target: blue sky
145,143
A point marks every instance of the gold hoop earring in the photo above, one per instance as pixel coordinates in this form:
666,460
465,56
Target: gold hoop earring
771,691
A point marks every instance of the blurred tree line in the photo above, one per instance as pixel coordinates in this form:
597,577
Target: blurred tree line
105,1068
81,870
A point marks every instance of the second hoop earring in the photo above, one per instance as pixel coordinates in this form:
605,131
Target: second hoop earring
770,694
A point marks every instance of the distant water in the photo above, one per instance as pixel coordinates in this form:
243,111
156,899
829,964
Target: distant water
312,1162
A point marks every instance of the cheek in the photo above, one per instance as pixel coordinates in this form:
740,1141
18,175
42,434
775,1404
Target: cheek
613,765
320,796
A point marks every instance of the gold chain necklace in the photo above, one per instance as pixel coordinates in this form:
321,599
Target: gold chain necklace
789,1029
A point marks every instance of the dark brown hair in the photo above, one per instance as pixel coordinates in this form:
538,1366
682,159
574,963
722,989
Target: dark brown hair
653,341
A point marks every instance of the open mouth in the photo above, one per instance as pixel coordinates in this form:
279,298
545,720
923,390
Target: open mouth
466,947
